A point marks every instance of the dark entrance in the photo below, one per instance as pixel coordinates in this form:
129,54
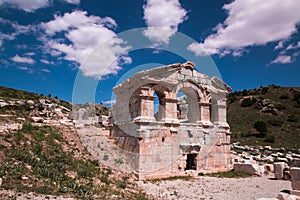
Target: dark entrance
191,162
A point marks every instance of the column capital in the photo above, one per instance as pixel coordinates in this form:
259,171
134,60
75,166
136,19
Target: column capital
204,104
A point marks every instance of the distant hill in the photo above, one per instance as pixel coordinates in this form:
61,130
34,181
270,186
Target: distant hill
266,116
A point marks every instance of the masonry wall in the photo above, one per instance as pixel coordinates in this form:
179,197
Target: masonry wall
188,133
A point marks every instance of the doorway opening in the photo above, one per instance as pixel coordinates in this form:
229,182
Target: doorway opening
191,162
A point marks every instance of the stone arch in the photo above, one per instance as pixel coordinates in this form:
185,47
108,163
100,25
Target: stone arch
141,102
198,100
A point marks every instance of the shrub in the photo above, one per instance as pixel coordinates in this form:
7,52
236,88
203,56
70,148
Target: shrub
297,97
284,96
280,107
246,102
260,126
245,92
275,122
269,139
105,157
292,118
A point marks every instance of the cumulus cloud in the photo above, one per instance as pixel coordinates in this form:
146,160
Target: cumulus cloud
20,59
28,6
82,35
162,18
282,59
251,23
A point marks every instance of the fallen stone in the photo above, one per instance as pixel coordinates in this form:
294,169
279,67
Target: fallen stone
286,196
252,169
282,159
295,174
278,170
296,162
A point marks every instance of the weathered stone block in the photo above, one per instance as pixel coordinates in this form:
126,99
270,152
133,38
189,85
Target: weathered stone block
246,168
295,174
278,169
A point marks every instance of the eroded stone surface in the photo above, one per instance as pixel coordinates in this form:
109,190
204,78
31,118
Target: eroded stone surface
181,133
295,174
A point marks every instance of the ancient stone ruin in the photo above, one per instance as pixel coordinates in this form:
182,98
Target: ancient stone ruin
171,120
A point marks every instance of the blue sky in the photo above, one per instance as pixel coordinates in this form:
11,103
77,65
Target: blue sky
59,47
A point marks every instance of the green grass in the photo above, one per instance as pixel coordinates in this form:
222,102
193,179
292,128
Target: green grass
230,174
172,178
38,154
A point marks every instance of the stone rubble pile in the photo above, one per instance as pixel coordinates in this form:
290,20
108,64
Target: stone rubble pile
86,117
263,160
42,112
267,106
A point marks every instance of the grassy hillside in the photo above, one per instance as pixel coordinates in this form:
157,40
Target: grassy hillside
50,159
266,116
40,159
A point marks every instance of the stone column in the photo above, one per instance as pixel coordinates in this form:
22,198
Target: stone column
221,117
146,106
204,117
170,105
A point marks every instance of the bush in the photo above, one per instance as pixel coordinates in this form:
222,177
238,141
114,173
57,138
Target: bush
297,97
246,102
292,118
105,157
275,122
280,107
284,96
245,92
269,139
260,126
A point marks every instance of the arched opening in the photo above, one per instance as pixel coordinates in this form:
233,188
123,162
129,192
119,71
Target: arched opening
158,107
159,104
187,105
149,102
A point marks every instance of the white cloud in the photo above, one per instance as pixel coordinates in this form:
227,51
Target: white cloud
162,18
280,45
84,34
20,59
73,1
23,68
251,23
26,5
109,102
282,59
16,29
291,46
29,53
45,70
46,62
75,20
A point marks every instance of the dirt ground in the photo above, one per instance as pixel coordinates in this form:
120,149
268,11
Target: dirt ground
216,188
